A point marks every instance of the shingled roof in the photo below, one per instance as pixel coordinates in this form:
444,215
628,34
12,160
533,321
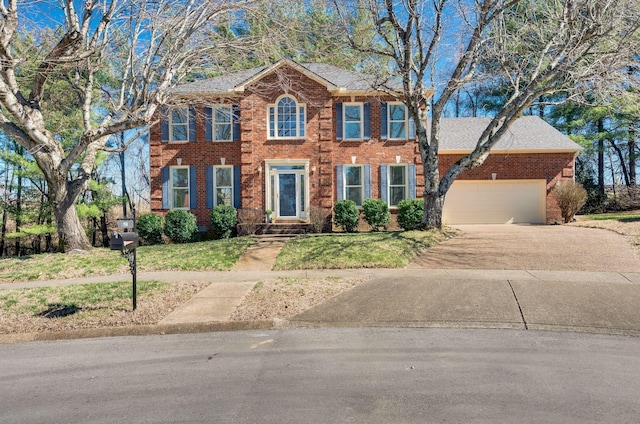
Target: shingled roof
332,77
528,133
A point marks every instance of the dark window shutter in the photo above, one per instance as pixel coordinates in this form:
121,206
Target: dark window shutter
166,188
367,181
412,129
164,112
193,189
366,108
237,189
383,121
192,124
411,174
384,183
340,181
338,121
236,122
208,124
209,186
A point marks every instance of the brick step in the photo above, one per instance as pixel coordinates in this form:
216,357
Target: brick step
282,229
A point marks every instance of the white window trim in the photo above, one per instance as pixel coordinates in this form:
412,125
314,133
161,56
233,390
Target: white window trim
213,122
361,185
171,124
405,185
344,120
389,120
172,188
215,184
299,107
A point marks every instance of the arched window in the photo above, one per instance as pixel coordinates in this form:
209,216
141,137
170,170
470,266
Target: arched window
287,118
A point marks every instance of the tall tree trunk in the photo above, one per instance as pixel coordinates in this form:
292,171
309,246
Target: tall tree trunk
71,234
623,164
18,217
631,144
600,156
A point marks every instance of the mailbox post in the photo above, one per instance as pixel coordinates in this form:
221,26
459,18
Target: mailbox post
127,243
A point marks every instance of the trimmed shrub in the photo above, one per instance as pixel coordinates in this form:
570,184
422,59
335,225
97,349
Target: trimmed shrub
346,215
149,227
376,213
570,197
410,213
223,220
180,226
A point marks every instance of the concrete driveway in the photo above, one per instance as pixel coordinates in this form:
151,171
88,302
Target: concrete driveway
532,247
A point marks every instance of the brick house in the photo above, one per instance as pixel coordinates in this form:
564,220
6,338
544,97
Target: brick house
288,137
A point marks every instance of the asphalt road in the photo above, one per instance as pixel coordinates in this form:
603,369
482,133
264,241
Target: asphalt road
364,375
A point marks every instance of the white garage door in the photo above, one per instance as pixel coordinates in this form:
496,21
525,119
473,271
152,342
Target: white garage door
495,202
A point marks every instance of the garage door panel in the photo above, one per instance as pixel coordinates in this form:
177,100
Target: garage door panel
495,202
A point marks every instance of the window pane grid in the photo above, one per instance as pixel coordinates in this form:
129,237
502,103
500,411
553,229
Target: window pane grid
353,183
222,123
352,122
223,185
180,187
397,121
179,124
397,184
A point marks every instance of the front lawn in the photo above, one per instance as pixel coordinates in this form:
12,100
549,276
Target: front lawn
90,305
359,250
217,255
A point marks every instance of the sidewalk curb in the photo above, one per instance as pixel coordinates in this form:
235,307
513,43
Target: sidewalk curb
138,330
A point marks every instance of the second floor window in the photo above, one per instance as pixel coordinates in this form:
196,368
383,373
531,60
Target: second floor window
287,119
397,121
352,121
179,124
222,123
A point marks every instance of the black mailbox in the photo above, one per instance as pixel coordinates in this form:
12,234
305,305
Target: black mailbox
124,241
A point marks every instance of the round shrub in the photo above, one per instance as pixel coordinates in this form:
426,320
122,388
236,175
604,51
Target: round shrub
376,213
149,227
180,226
223,220
346,215
570,197
410,212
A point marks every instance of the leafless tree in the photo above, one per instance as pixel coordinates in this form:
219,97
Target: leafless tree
117,60
536,47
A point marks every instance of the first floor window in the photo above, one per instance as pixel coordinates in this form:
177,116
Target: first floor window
223,185
179,124
180,187
397,184
353,187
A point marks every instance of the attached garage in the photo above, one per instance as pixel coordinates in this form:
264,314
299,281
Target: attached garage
495,202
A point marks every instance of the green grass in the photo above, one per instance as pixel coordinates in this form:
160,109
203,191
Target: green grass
621,217
371,250
108,296
217,255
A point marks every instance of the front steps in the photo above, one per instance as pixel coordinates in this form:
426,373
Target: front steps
283,229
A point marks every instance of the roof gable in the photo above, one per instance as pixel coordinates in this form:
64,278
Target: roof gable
336,80
526,134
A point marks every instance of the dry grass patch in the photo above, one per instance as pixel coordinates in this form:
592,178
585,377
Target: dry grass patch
284,298
90,305
625,223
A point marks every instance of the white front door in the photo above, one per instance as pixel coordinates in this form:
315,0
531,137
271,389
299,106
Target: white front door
287,190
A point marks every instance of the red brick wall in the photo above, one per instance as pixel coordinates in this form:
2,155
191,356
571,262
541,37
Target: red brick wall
321,148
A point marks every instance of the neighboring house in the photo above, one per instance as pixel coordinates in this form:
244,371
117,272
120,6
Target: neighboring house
289,137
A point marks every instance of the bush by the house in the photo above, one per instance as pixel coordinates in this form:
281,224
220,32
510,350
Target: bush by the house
223,220
180,226
346,215
149,227
570,197
376,213
318,218
248,220
410,213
